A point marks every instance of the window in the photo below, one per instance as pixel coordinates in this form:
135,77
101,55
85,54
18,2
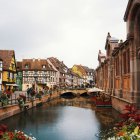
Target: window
26,73
43,66
117,66
13,76
8,75
126,62
26,66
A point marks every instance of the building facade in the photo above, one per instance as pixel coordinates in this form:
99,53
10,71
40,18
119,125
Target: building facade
19,76
87,74
37,73
62,71
9,69
1,67
119,72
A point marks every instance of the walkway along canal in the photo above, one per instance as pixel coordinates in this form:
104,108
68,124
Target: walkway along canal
64,119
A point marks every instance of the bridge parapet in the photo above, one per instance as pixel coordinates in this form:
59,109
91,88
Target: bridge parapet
74,91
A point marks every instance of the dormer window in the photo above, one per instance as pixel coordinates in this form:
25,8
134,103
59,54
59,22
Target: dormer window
43,66
26,66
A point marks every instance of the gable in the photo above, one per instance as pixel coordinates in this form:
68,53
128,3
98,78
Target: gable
8,57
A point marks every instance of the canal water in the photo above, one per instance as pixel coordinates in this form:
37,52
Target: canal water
64,119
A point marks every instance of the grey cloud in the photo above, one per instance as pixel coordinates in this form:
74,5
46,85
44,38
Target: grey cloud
72,30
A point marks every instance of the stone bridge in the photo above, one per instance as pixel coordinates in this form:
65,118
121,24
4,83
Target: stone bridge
73,91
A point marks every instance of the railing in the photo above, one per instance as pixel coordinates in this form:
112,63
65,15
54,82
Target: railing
72,88
12,100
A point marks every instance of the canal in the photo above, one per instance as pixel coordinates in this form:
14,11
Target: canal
64,119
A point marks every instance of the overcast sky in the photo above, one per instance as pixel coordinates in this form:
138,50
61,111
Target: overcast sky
71,30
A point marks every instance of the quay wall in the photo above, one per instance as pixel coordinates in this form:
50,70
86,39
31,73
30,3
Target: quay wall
119,104
11,110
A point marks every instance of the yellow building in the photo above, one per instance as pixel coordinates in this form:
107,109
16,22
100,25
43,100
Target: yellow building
79,70
9,69
86,73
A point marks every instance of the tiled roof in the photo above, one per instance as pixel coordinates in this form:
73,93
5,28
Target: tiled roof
36,64
6,56
74,74
59,65
19,66
87,69
81,69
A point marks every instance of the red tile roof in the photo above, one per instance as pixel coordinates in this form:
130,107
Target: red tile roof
19,66
36,64
6,56
59,65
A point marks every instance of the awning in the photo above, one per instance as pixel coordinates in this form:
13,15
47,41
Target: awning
14,85
95,90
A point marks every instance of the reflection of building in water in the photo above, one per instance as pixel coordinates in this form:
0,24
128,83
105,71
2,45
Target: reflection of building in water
77,102
105,116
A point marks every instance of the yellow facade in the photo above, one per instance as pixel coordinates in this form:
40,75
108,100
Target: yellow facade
9,75
75,70
5,76
79,71
12,65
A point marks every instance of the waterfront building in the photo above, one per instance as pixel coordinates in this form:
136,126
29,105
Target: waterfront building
86,73
19,77
90,75
120,72
62,71
1,67
99,70
9,69
104,72
74,79
37,73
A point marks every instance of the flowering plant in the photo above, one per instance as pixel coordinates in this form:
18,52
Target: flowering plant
4,99
17,135
129,127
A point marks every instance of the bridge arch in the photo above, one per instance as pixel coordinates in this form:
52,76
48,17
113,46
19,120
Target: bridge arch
84,94
68,93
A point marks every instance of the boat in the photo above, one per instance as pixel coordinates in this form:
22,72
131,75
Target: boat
100,103
103,100
93,93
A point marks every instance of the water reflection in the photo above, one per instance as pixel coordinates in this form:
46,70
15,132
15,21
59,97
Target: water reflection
64,119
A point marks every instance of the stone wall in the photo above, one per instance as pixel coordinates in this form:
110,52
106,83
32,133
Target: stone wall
11,110
119,104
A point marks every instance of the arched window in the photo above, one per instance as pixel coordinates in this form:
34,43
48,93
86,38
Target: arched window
26,66
126,61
